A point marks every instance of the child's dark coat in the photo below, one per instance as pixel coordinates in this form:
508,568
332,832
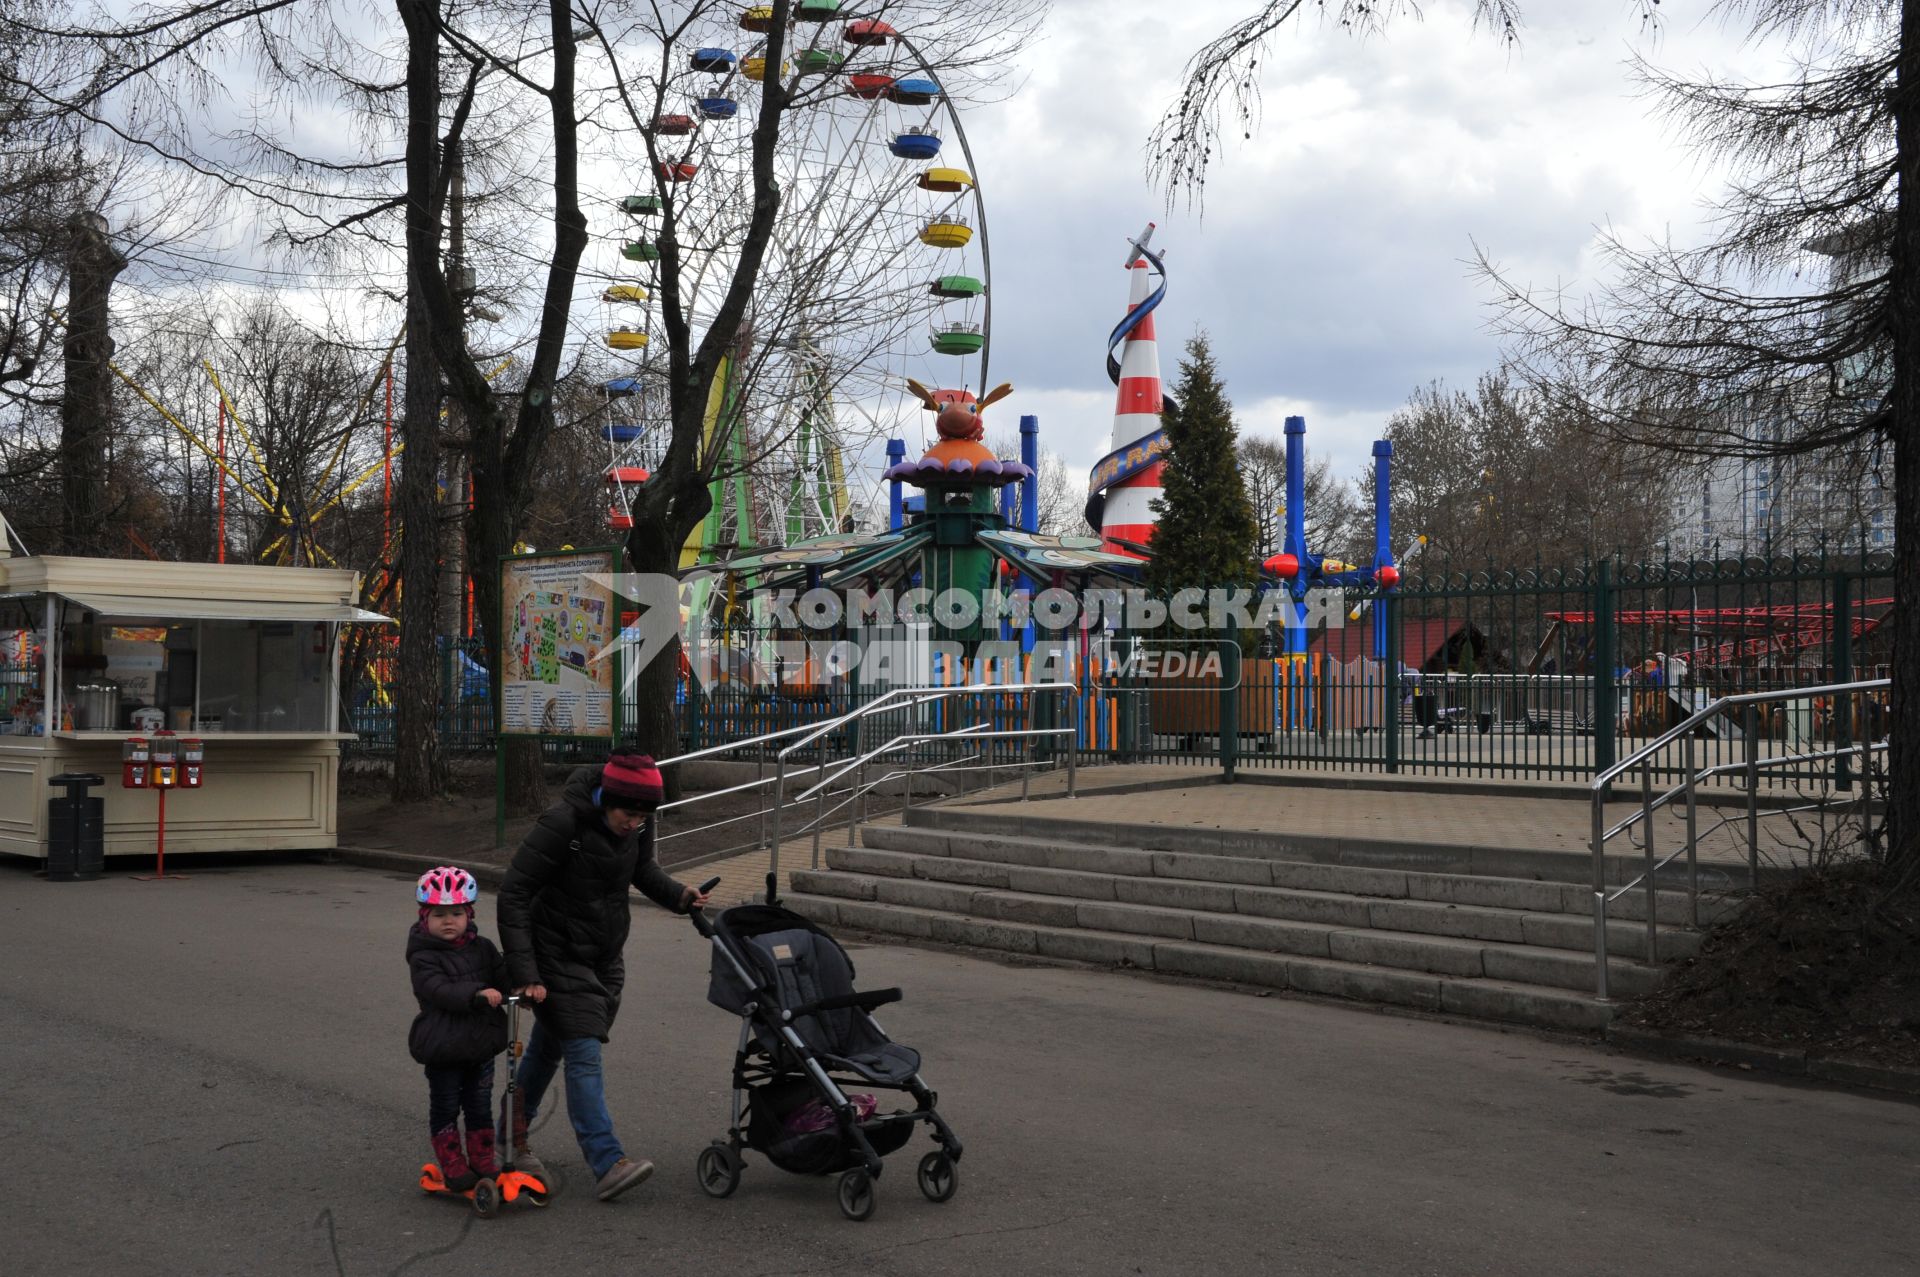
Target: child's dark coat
455,1026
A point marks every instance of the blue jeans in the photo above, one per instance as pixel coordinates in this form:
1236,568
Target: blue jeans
586,1092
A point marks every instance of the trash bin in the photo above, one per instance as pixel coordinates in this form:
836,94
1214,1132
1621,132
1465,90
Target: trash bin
76,839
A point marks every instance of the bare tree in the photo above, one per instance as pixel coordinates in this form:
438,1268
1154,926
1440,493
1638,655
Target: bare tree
1506,475
1805,302
760,261
1330,518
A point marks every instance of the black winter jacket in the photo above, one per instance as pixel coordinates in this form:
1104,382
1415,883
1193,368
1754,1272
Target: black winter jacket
564,912
455,1026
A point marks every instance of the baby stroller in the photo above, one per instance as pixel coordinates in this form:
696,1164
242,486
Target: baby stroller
805,1038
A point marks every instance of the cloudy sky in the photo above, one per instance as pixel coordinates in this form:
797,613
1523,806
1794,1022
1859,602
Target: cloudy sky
1329,267
1331,264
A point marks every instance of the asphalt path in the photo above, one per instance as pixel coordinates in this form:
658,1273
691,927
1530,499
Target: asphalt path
210,1076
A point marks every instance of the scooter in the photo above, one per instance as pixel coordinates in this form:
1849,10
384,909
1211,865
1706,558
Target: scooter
508,1185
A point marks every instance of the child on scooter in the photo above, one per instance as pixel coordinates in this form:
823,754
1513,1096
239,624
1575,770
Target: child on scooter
458,975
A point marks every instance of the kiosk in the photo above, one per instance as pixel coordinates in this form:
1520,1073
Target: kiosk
95,653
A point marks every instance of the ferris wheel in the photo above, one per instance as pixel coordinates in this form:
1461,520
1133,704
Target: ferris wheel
878,269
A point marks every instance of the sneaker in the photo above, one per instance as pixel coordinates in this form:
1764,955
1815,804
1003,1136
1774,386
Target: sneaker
623,1174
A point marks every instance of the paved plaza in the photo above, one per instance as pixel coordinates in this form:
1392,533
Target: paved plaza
210,1077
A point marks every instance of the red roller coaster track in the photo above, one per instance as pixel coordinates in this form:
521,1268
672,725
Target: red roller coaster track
1778,630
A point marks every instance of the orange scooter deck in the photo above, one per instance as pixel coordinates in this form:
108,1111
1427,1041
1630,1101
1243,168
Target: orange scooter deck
510,1185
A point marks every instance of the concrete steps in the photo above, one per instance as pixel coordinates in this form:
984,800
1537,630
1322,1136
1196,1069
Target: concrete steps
1516,948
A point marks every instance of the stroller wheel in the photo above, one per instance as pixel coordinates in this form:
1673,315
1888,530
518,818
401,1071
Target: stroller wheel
856,1195
939,1177
718,1169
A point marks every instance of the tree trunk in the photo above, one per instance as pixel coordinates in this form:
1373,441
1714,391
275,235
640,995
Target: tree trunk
86,402
662,520
1903,770
503,466
417,765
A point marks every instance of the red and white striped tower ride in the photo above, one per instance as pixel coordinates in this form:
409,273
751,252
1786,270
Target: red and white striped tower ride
1136,416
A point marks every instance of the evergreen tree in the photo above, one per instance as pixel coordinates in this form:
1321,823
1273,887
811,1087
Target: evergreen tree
1207,532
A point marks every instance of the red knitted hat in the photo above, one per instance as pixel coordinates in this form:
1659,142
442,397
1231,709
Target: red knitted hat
631,780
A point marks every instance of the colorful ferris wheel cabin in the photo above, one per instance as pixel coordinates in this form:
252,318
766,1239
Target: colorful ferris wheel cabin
816,10
621,432
624,293
621,388
947,180
641,205
946,232
956,286
958,339
915,144
756,68
672,125
619,520
677,171
640,250
914,92
868,32
869,85
820,61
627,339
622,476
713,61
758,19
717,108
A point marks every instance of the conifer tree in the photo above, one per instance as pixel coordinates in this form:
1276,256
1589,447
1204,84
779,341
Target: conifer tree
1206,535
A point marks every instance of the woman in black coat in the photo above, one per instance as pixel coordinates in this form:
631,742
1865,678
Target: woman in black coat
564,917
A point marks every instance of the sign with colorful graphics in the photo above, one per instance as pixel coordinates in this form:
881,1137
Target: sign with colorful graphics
558,622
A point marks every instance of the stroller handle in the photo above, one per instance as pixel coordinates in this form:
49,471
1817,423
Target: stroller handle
699,915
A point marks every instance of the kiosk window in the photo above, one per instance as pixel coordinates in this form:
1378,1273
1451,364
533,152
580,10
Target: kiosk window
264,676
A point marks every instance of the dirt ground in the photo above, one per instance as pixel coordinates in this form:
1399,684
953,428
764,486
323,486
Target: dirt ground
459,827
1828,963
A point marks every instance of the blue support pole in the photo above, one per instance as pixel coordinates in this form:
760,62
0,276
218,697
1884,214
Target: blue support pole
1382,534
1029,499
1296,537
1030,486
896,453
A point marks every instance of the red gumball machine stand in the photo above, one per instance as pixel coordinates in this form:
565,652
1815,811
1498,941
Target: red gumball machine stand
162,763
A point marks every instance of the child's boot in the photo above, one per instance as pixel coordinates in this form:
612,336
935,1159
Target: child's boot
454,1170
523,1158
480,1153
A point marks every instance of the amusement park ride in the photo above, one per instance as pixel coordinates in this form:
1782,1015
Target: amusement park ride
887,240
957,535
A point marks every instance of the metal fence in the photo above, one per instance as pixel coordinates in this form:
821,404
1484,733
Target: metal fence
1543,674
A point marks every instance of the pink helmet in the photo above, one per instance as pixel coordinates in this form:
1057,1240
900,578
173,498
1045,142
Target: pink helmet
447,885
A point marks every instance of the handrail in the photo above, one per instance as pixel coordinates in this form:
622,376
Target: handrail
971,733
1700,716
893,700
1689,786
919,696
922,696
733,746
